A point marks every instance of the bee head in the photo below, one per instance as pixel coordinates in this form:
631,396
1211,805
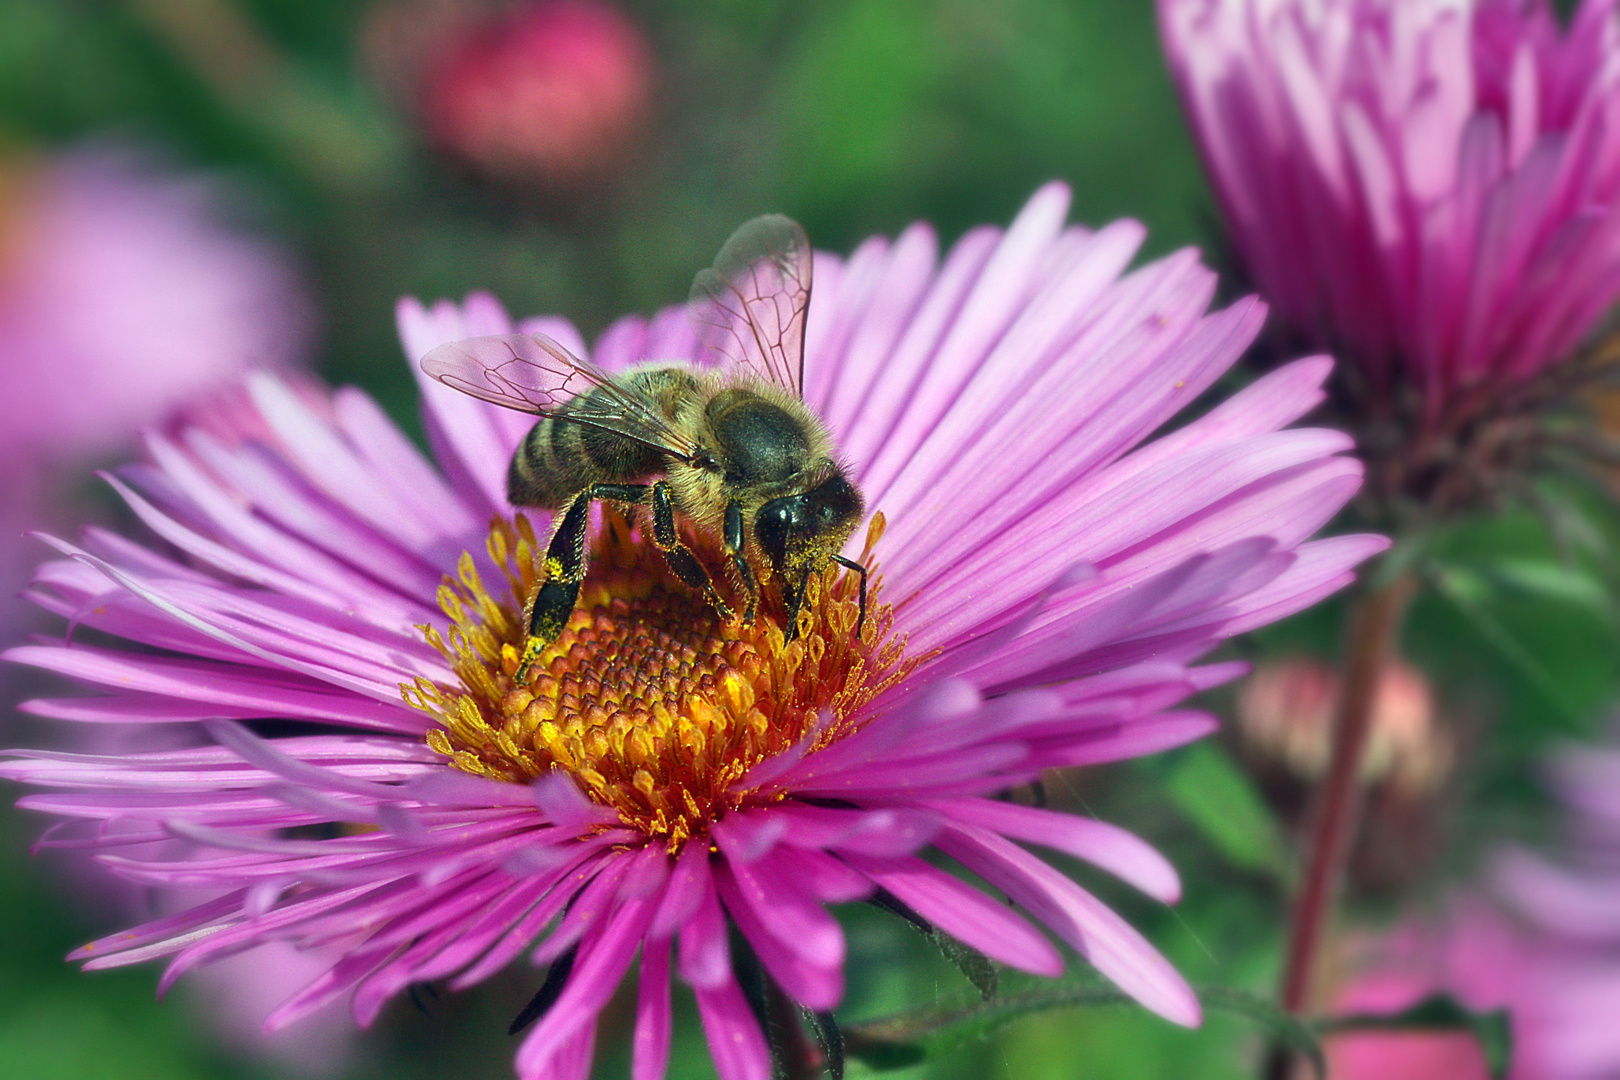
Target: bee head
796,530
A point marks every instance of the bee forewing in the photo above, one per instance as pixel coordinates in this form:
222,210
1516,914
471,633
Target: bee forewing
527,372
532,373
749,307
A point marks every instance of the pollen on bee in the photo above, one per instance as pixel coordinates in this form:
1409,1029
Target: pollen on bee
654,705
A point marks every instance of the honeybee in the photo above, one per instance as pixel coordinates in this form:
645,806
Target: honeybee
731,447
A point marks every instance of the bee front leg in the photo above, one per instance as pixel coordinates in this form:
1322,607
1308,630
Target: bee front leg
565,569
679,556
850,564
735,539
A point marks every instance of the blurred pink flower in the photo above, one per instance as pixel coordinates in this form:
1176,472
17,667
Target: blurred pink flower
122,292
235,995
1555,965
1285,713
551,91
1573,904
1474,954
1431,187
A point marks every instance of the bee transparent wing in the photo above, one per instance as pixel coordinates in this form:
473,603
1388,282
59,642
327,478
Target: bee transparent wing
527,372
534,374
749,307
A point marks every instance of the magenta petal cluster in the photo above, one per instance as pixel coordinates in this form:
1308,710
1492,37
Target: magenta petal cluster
1430,186
1061,574
1543,942
1572,906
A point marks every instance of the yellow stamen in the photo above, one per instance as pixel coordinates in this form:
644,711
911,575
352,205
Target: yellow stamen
653,704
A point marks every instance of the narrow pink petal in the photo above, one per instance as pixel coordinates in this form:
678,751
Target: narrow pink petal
571,1061
770,889
1097,842
735,1040
882,831
1148,735
689,884
587,910
1077,917
963,912
469,436
601,963
568,880
810,972
705,956
649,1055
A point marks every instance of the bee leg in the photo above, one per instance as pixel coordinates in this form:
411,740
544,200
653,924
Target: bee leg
565,569
851,564
679,556
735,539
792,600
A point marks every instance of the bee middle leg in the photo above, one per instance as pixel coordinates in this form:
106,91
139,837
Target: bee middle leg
565,560
679,556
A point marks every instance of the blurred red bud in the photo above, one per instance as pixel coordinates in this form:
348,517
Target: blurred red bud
550,93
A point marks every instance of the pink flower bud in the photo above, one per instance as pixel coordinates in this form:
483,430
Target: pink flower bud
1286,713
550,92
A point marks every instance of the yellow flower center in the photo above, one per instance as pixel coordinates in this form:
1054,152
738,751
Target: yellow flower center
654,705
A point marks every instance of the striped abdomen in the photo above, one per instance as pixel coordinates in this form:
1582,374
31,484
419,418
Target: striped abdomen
558,458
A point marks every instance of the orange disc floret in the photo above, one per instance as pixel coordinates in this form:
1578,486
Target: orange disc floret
648,699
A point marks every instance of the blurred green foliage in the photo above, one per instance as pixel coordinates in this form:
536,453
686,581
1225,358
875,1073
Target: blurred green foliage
856,117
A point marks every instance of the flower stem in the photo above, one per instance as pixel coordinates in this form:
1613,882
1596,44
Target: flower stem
1375,623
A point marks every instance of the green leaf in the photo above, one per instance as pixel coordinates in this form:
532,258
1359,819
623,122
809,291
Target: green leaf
1468,591
1208,787
830,1037
1548,580
979,969
910,1037
1440,1012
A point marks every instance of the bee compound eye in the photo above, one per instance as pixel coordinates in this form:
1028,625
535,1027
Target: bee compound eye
773,524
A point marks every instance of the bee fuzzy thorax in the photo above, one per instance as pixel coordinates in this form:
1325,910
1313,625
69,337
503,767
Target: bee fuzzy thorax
655,705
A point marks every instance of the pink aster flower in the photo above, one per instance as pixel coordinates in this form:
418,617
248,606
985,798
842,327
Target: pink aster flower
1544,945
123,291
1045,583
1430,188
